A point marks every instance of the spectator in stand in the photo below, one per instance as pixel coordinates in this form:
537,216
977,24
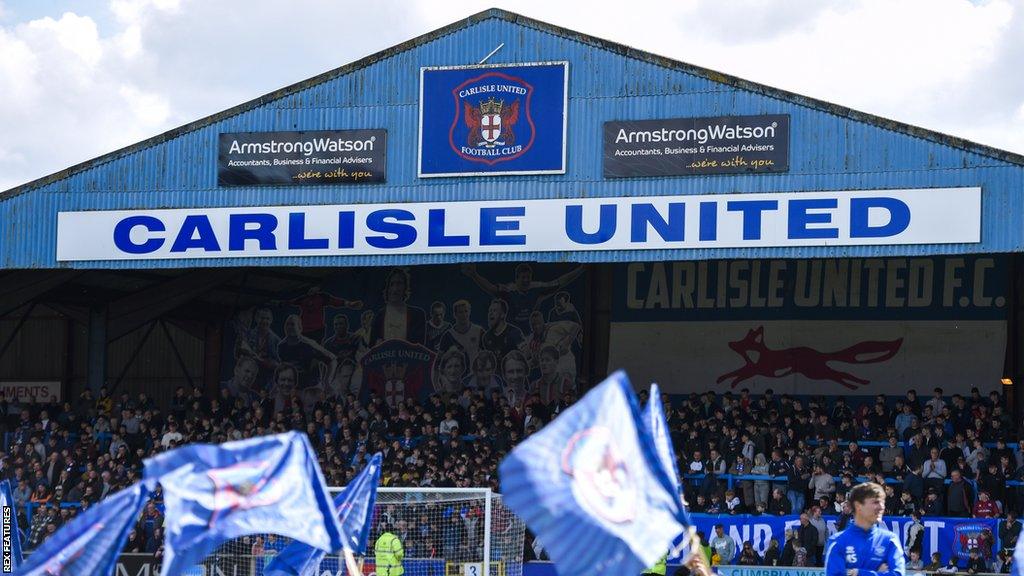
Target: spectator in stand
723,545
819,524
936,564
778,505
1009,531
975,563
762,488
959,496
807,537
934,470
748,556
914,562
915,534
985,508
933,504
771,555
887,455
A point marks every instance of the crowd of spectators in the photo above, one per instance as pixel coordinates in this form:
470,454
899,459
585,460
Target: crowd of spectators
946,456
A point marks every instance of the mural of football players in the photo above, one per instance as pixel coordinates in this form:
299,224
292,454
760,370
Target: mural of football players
451,370
363,342
515,370
534,341
312,306
525,294
243,379
463,334
552,382
484,377
342,344
284,388
259,342
396,320
500,337
304,354
342,384
437,325
564,332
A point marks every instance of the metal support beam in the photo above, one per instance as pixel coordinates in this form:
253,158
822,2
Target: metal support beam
211,358
177,354
97,347
135,310
17,328
22,287
135,354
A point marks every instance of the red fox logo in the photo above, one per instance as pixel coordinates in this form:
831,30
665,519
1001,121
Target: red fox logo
761,361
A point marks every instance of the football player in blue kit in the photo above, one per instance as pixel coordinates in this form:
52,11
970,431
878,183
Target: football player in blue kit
865,547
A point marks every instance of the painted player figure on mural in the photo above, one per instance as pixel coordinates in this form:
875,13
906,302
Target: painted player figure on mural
808,362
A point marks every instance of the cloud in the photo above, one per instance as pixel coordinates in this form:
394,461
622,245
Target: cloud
77,85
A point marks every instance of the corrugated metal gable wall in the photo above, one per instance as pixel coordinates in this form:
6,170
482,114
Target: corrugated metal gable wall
828,152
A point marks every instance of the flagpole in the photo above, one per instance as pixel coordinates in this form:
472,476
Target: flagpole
350,564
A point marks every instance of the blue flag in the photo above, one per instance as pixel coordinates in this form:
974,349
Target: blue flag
1017,569
354,507
10,523
90,543
591,487
215,493
657,427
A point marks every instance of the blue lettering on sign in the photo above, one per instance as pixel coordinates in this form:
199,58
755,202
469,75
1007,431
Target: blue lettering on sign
389,222
708,221
297,234
435,231
671,230
574,225
123,232
649,221
196,232
899,217
263,232
346,229
799,218
752,210
490,225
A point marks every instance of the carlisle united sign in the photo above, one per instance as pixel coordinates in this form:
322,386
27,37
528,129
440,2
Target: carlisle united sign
846,218
491,120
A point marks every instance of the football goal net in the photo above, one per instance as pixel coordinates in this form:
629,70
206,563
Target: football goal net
444,532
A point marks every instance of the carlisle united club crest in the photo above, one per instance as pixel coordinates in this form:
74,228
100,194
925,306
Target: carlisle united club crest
243,486
492,118
971,535
601,480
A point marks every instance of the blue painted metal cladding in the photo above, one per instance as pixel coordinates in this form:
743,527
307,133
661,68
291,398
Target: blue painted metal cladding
828,152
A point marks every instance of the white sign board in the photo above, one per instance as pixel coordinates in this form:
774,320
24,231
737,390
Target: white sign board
32,392
846,218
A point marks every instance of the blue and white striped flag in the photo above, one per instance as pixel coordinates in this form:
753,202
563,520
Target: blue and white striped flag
591,487
10,528
213,493
90,543
657,427
354,507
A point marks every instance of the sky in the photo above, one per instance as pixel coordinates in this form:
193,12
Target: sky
80,78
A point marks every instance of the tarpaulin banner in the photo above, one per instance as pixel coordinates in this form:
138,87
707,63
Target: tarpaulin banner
946,536
840,326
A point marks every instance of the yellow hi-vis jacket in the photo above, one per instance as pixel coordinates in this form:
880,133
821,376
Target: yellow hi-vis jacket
660,567
388,553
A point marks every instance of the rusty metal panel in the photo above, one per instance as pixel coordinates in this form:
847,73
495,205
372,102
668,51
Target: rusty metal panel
832,148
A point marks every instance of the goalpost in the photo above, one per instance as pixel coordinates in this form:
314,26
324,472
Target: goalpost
444,531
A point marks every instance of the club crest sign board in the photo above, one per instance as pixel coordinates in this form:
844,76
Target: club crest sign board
493,120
